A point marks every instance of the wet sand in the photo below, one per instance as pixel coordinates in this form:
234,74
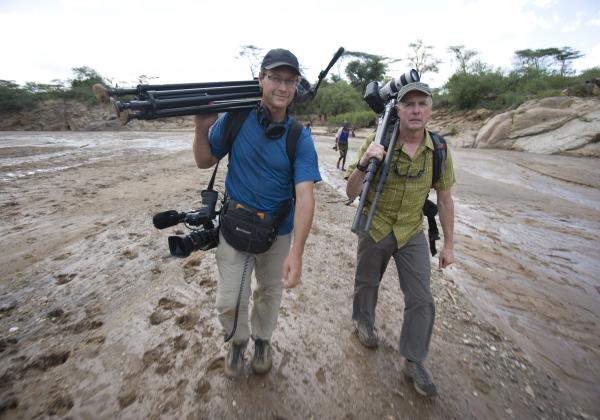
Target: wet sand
98,321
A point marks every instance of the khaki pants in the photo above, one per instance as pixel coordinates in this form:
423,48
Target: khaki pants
414,272
234,266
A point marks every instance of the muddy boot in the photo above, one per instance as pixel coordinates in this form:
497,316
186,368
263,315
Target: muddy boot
420,377
234,363
366,335
262,361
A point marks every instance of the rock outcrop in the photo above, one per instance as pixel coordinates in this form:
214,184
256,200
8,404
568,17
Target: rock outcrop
548,126
71,115
554,125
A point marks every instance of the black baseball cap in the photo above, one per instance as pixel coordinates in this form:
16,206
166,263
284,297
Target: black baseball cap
280,57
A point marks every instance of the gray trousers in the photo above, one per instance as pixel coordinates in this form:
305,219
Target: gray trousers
234,266
414,273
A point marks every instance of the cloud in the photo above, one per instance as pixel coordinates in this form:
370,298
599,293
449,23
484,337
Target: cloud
574,26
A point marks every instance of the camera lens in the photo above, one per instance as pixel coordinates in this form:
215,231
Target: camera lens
182,246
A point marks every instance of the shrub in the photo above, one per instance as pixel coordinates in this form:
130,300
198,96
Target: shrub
355,119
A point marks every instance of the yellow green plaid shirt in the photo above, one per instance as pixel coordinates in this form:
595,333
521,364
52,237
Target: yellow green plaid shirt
399,208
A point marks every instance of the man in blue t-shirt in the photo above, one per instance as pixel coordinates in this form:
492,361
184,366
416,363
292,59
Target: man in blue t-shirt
260,176
341,143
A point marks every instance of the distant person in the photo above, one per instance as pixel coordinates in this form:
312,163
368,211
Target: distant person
341,143
397,231
264,191
308,127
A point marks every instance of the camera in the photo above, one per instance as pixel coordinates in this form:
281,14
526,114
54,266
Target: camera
202,239
376,97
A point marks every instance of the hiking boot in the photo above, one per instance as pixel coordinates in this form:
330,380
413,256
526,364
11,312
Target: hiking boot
420,377
234,363
366,335
262,361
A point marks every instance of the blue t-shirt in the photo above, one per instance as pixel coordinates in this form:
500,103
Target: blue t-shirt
259,172
344,137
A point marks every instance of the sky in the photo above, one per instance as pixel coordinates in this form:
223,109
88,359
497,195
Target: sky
182,41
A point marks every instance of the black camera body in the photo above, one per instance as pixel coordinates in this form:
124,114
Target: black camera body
202,239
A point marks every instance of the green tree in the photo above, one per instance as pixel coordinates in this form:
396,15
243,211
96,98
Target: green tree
538,60
564,56
333,99
421,58
365,68
13,97
81,84
462,56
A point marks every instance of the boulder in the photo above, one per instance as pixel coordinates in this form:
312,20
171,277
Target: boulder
549,125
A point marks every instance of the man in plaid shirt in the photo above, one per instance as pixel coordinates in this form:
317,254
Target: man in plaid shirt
397,231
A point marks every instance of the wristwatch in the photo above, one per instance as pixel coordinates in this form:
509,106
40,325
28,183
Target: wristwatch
361,168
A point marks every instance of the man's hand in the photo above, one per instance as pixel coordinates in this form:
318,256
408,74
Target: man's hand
446,257
204,121
374,150
292,269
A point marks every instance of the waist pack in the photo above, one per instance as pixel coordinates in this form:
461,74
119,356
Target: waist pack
248,229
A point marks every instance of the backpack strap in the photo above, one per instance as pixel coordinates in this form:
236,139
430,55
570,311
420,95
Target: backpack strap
439,169
439,156
291,141
233,125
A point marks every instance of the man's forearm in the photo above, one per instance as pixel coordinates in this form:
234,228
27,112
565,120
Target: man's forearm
202,153
355,183
446,211
303,218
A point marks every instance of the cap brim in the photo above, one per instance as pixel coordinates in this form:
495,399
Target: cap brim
282,64
426,92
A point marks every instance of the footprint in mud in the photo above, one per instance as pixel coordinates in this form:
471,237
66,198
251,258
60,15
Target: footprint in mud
56,315
127,398
62,257
129,254
194,261
177,396
164,310
84,325
7,344
65,278
49,361
179,343
158,317
59,405
215,364
321,375
202,389
187,321
166,303
8,403
164,362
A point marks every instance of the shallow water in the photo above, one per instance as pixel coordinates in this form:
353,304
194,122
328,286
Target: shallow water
58,151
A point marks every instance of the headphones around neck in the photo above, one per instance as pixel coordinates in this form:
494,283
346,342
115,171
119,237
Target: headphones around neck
273,130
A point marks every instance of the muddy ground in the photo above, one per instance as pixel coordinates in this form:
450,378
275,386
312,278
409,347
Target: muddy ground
97,320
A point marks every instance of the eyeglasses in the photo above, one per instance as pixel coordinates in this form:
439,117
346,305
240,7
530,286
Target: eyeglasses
289,83
406,175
